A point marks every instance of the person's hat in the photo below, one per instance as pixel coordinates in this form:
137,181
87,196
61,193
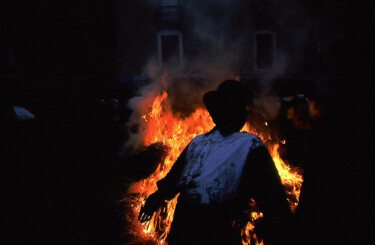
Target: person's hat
227,102
230,94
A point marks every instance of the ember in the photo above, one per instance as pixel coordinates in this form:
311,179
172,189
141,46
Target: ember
176,133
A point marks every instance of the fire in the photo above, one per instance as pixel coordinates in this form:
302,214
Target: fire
176,133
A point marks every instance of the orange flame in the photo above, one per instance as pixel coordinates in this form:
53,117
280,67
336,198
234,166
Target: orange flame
176,133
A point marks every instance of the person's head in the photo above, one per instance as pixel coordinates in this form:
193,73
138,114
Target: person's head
227,106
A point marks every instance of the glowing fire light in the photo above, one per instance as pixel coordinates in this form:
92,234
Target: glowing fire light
176,133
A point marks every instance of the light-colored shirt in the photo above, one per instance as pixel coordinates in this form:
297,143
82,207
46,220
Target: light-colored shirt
214,166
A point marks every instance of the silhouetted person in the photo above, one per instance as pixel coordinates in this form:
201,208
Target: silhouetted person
217,174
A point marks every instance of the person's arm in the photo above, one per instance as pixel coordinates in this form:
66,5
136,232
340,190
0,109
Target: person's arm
261,181
167,189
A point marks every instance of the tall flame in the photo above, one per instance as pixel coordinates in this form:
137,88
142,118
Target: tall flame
176,133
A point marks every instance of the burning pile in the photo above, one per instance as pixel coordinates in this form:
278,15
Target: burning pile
161,125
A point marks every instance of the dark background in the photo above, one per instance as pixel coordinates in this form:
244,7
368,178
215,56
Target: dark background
60,59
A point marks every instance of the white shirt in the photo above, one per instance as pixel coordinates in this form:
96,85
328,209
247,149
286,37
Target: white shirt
214,166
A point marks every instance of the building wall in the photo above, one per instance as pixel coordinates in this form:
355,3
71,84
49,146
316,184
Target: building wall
215,30
222,36
136,35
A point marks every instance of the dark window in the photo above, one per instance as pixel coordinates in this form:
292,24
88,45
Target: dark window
170,48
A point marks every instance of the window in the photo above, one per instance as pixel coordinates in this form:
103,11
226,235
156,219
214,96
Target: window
170,47
264,49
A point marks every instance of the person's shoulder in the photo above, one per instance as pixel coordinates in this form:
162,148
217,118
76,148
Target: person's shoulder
197,139
252,139
203,136
247,135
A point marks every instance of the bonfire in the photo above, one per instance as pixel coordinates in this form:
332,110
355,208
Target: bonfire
162,126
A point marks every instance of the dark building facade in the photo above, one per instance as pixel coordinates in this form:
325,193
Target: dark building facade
255,36
248,38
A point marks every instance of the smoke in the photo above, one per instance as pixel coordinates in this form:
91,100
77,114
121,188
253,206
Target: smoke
214,58
295,28
215,54
267,104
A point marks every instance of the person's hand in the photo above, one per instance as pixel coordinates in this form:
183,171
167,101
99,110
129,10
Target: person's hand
145,214
153,203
